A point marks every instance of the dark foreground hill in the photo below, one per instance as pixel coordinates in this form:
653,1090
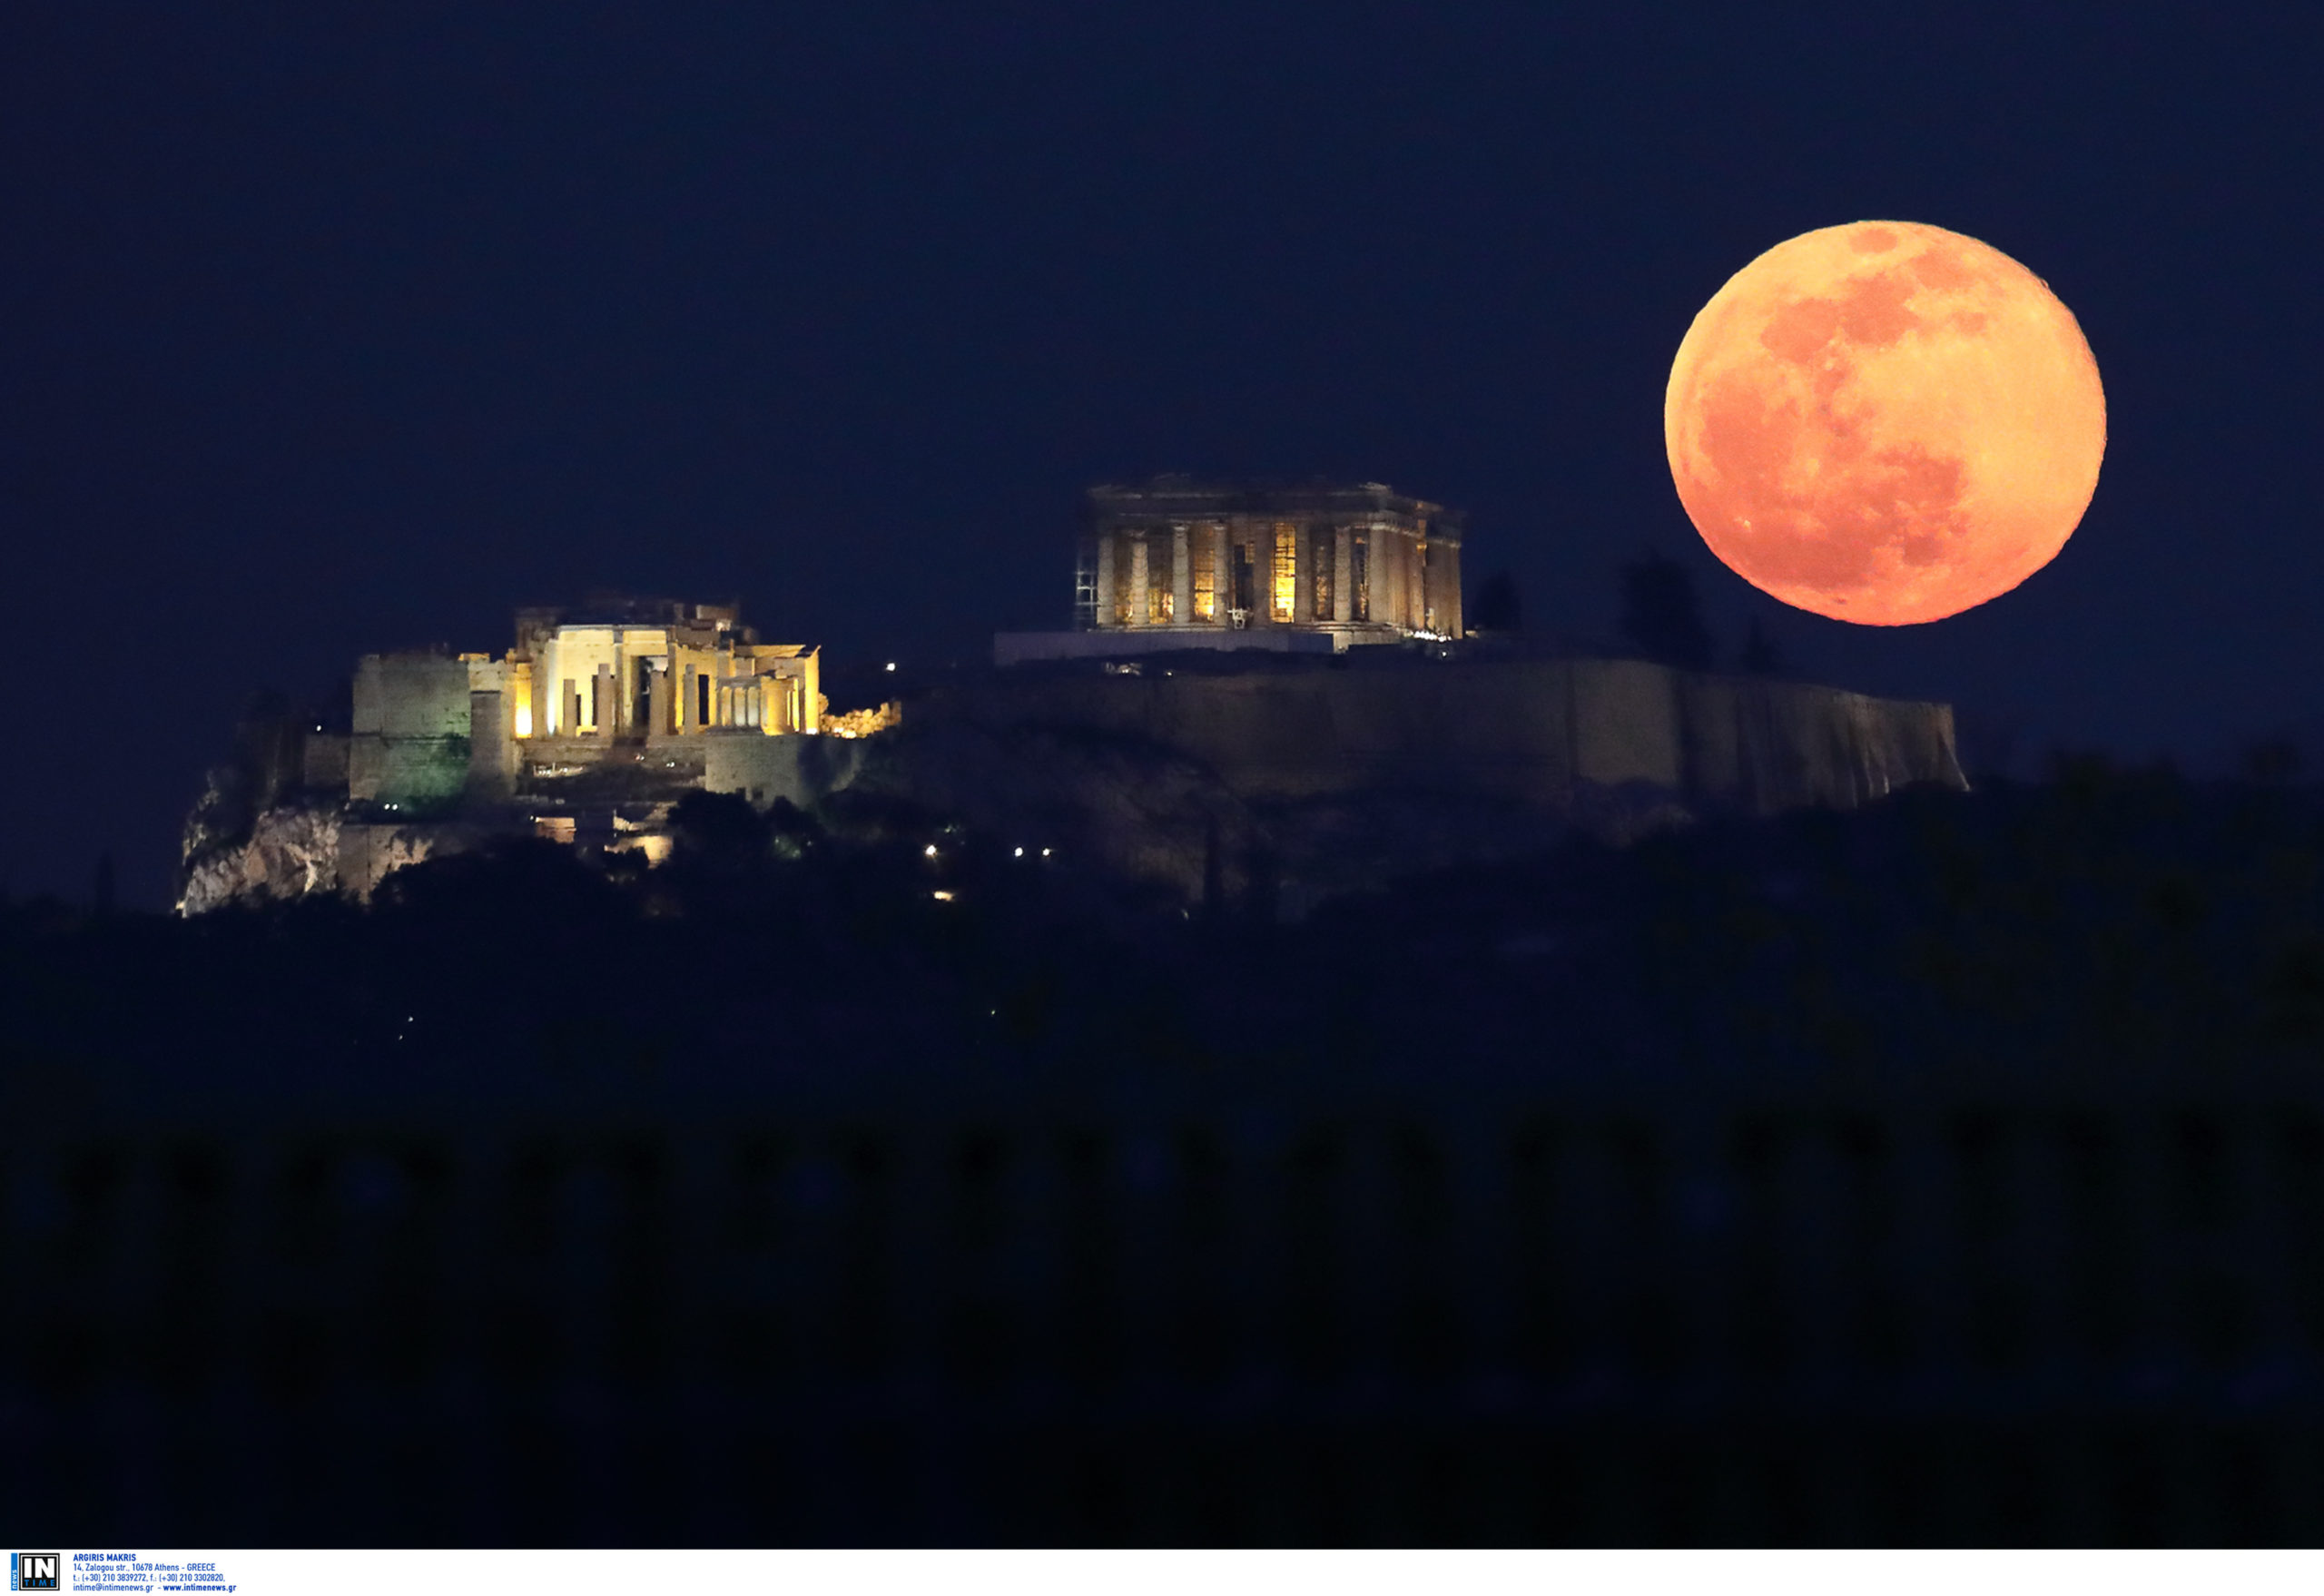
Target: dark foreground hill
1949,1170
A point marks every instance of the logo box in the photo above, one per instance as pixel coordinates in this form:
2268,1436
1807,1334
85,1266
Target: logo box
33,1570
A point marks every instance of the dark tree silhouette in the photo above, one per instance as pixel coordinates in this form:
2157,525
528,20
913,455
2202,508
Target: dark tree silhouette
719,827
1758,657
1497,607
1660,615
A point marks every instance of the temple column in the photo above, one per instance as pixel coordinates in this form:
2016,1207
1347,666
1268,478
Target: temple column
657,697
548,710
1404,583
1387,575
1449,584
1379,551
1302,574
1105,612
1343,575
1141,582
1182,580
1222,573
1263,575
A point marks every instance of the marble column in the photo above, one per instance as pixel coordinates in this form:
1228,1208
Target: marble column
1343,575
658,695
1408,582
1141,582
1103,614
1182,580
548,709
1222,573
1387,555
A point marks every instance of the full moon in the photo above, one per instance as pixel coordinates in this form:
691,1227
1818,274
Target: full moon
1885,423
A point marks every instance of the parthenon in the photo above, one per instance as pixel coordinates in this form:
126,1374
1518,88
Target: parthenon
1365,560
1175,562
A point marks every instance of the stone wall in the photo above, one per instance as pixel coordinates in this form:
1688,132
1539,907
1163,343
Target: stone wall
323,760
1009,648
1532,732
762,769
412,772
411,696
410,725
492,747
539,753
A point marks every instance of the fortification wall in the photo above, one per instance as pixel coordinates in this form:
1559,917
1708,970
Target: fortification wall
411,696
410,722
538,753
414,771
1528,730
492,745
762,769
323,760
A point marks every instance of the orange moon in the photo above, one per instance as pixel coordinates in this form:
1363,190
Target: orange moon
1885,423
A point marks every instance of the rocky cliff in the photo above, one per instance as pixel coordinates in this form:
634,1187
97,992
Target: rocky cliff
1317,778
291,850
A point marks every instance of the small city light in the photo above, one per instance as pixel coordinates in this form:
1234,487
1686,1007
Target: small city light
1020,853
941,897
892,664
930,850
1045,853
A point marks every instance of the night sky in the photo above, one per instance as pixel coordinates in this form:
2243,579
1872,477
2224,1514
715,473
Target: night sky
331,330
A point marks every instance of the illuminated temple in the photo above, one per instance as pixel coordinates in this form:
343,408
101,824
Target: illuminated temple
1177,562
600,717
648,668
643,675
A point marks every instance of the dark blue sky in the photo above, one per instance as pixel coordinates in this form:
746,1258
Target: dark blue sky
334,329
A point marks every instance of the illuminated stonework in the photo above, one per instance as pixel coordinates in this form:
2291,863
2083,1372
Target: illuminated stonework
645,676
1178,563
587,732
649,668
